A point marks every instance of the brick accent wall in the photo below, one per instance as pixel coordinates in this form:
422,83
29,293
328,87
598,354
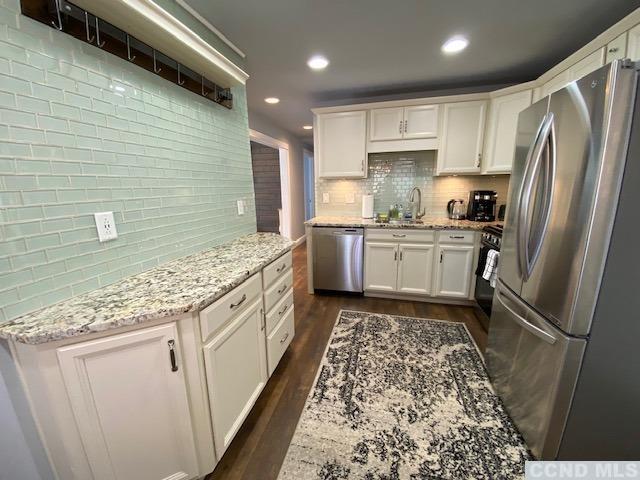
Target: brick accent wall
266,185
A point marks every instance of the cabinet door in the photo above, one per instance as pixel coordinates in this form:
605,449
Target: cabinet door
633,43
235,361
617,48
587,65
556,83
501,132
415,268
462,133
386,124
421,121
131,406
380,266
342,144
454,270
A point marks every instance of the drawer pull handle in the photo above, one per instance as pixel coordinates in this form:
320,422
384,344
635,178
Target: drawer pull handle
280,290
399,235
284,339
240,302
172,355
456,236
284,309
281,267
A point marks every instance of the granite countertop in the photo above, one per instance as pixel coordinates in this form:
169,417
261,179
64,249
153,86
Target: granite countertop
184,285
428,223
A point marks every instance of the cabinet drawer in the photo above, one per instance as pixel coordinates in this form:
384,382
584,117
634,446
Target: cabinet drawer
466,237
217,314
279,340
400,235
276,269
278,290
278,312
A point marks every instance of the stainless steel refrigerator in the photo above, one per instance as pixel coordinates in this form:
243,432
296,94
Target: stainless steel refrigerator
564,338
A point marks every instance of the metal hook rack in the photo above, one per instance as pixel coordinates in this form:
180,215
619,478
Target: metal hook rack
90,38
130,57
59,25
155,63
180,79
98,42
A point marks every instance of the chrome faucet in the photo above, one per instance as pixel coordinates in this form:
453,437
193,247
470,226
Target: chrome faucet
416,213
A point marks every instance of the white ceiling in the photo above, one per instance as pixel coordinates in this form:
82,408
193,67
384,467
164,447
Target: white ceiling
387,47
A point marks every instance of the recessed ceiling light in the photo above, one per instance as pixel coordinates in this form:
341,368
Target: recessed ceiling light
272,100
307,127
455,44
318,62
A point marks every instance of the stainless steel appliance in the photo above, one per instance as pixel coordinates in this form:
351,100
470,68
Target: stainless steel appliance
338,258
564,339
456,209
482,205
490,239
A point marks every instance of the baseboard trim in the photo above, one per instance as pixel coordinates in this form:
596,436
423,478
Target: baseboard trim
419,298
300,241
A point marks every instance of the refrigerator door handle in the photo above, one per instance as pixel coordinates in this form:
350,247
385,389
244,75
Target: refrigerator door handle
531,173
524,323
549,166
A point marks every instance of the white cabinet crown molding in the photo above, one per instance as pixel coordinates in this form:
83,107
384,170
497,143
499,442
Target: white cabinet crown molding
153,25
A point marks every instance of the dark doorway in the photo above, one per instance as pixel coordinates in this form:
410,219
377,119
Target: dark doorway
266,184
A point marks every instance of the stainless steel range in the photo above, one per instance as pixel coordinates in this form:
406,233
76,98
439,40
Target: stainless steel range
491,239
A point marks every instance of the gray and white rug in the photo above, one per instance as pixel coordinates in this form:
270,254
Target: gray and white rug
402,398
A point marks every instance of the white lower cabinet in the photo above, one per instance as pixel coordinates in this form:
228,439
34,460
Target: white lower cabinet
235,361
129,400
415,268
381,266
454,269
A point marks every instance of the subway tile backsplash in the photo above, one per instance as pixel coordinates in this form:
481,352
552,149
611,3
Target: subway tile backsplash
391,178
82,131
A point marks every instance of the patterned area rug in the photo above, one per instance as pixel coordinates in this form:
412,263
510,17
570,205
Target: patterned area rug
402,398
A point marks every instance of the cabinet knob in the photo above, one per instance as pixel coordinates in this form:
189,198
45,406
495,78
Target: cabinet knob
400,127
613,49
405,126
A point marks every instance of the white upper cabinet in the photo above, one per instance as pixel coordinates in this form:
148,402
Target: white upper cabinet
633,43
502,125
421,121
617,48
556,83
129,399
386,124
341,144
461,140
587,65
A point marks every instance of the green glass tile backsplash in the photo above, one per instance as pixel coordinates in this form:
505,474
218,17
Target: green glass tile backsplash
82,131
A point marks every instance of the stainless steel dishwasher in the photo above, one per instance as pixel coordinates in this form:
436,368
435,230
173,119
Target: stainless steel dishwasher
338,258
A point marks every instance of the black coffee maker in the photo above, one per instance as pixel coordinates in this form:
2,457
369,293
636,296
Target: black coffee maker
482,205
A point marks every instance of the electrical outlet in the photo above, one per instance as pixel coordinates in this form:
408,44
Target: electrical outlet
106,226
350,197
241,207
325,197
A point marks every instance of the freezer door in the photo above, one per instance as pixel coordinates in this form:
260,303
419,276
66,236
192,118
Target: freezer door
529,127
533,367
569,196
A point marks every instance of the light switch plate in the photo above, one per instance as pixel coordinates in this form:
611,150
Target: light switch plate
350,197
106,226
240,207
325,197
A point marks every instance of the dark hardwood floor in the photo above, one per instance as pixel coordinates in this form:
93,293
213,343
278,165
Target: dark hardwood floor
261,444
